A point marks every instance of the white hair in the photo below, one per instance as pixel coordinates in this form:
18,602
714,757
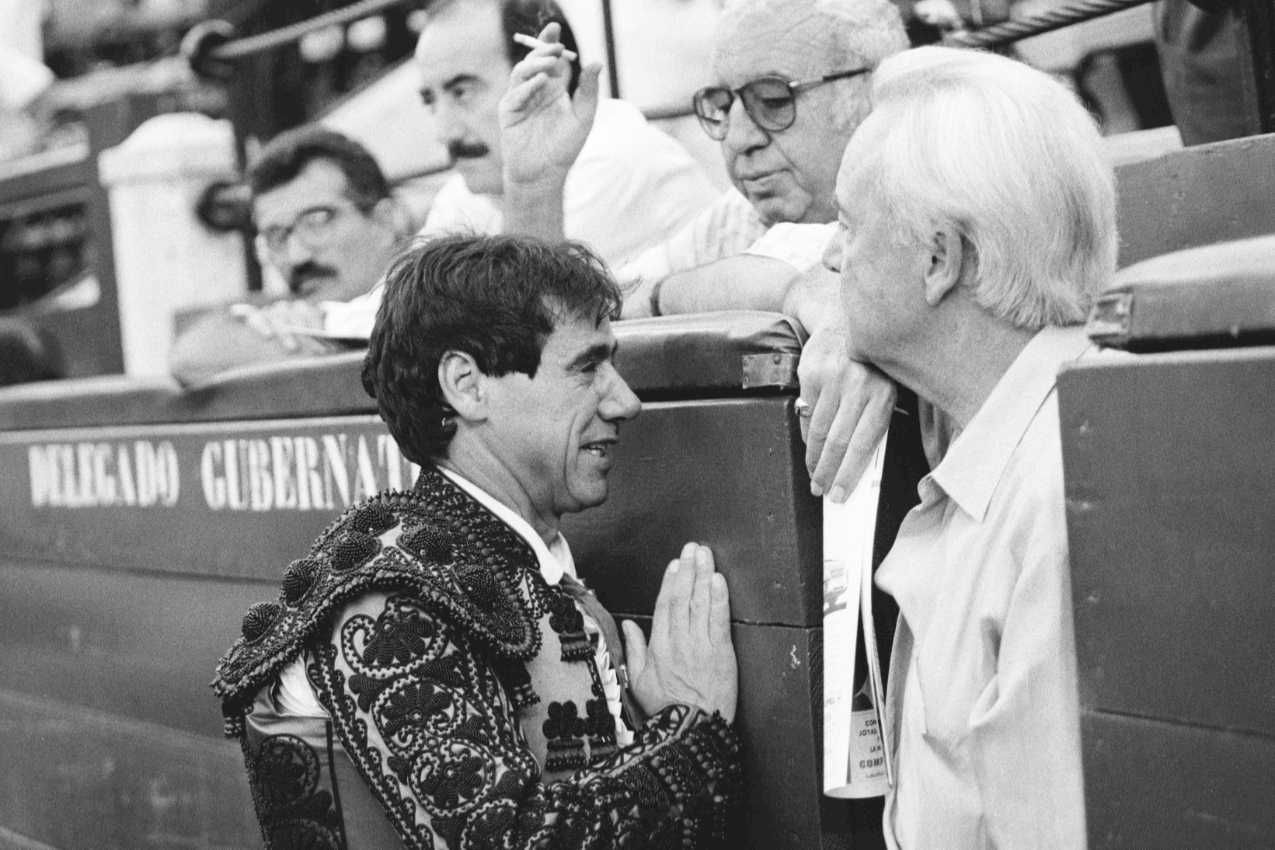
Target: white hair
847,33
853,32
1006,156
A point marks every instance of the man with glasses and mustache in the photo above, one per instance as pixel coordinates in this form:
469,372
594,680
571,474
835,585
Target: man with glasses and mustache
792,79
631,187
328,225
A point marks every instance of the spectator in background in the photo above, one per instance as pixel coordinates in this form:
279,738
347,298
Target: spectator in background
328,224
791,84
977,223
1202,64
23,80
631,186
803,67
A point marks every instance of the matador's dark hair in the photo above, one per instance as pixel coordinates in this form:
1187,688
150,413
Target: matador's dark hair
496,298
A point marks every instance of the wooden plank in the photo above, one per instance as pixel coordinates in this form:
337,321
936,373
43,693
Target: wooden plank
1195,196
1170,477
73,777
242,500
1174,787
138,646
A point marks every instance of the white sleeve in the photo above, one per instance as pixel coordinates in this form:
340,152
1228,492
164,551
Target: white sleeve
632,187
723,229
800,245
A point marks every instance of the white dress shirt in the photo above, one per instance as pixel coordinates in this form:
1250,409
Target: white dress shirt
727,228
982,706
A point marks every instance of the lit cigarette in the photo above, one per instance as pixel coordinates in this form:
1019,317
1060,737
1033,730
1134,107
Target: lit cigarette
535,44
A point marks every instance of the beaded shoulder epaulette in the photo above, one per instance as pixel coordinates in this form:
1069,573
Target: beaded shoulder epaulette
435,540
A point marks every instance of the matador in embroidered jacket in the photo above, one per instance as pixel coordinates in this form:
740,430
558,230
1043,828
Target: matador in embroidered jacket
432,673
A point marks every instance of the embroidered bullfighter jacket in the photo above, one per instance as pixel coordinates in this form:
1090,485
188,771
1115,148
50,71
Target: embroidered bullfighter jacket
461,702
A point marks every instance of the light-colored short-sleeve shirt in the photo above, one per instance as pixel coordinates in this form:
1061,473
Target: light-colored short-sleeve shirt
981,700
729,227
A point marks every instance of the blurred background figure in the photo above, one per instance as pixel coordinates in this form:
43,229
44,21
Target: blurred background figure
28,354
1202,65
328,225
23,80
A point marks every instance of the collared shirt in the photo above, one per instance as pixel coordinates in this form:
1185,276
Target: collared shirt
982,706
296,696
353,319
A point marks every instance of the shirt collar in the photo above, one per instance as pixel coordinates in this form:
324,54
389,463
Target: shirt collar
554,559
974,463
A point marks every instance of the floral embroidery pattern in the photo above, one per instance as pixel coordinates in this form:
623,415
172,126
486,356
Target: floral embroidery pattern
293,810
422,652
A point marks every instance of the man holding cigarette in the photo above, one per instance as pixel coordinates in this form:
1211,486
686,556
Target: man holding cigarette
631,187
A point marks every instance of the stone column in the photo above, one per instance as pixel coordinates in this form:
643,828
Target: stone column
166,259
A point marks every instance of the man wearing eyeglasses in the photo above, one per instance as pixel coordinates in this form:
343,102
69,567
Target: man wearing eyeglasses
328,226
791,87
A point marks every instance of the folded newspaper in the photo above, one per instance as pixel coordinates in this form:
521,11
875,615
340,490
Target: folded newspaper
856,763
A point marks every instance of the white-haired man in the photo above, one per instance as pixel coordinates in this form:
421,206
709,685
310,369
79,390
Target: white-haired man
792,80
977,221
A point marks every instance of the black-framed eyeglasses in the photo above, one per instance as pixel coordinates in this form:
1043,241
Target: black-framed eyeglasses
770,101
311,226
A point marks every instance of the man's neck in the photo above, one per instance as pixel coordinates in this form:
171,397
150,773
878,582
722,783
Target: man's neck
958,364
479,469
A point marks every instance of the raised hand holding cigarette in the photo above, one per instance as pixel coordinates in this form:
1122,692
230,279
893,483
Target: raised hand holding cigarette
543,126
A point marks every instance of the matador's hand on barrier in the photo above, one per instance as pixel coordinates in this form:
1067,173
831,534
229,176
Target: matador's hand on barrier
690,658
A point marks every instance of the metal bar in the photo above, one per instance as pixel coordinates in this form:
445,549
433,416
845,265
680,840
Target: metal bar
613,65
295,32
1008,32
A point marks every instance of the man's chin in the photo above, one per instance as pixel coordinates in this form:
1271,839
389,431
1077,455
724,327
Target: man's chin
591,497
775,209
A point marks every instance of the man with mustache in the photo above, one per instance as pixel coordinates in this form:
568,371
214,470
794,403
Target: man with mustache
328,225
631,187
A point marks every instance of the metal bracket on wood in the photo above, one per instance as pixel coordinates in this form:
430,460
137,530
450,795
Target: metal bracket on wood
770,370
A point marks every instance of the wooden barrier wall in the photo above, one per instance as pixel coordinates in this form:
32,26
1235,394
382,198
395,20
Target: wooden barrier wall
138,522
